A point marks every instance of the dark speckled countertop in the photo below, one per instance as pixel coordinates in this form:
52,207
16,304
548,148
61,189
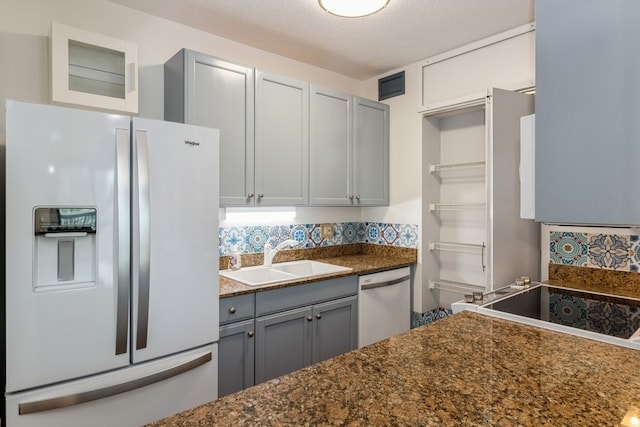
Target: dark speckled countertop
361,258
466,370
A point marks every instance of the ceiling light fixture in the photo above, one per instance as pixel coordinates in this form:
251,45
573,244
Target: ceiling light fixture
353,8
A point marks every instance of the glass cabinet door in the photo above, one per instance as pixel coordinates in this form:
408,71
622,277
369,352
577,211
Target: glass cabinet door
93,70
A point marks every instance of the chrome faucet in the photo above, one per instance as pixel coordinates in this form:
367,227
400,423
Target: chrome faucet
270,252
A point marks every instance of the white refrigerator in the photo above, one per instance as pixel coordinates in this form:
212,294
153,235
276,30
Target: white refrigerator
111,267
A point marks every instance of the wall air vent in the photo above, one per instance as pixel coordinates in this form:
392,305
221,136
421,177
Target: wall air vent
391,86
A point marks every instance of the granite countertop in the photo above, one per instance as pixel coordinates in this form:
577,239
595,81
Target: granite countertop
361,259
624,284
466,370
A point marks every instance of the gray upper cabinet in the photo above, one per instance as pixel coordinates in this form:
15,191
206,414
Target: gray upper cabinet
331,148
205,91
587,110
370,153
281,141
349,145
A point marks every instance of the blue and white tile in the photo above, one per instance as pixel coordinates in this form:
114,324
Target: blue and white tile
300,232
229,237
315,234
568,310
608,318
390,235
256,237
609,251
408,235
279,233
373,233
634,318
568,248
349,233
634,253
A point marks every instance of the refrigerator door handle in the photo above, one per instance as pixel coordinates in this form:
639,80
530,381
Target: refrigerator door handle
144,239
87,396
123,226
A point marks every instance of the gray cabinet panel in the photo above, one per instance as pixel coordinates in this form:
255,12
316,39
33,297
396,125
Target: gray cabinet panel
371,153
240,307
281,140
236,357
283,343
296,326
206,91
330,145
587,109
335,328
309,293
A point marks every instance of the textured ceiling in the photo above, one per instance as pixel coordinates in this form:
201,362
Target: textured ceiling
405,32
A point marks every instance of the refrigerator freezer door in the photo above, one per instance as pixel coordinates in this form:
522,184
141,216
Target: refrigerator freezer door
175,238
62,287
132,396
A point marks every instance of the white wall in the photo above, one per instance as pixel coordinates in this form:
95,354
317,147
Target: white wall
24,67
405,162
406,159
24,75
25,27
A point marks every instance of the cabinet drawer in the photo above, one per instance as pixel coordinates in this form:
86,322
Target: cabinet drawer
236,308
300,295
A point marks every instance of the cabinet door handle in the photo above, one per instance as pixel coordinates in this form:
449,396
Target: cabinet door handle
232,310
250,334
250,195
358,197
260,195
309,318
351,197
318,316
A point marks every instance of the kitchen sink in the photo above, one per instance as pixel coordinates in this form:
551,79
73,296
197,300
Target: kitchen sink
281,272
308,268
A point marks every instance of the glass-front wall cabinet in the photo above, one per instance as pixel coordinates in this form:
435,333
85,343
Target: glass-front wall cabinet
93,70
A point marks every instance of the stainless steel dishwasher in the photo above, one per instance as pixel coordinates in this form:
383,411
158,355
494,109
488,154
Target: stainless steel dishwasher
384,307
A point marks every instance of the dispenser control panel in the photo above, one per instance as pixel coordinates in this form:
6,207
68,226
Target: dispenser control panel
64,220
64,248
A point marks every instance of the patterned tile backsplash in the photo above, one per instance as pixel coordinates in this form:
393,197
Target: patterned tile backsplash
617,319
618,250
251,239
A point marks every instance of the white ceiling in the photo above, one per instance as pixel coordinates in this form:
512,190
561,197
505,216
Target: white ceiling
406,31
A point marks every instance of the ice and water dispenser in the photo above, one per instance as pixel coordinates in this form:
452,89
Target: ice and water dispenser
64,248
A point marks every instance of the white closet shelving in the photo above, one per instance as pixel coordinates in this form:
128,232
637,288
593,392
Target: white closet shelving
474,239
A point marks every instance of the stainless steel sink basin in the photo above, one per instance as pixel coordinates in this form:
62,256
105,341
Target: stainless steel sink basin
281,272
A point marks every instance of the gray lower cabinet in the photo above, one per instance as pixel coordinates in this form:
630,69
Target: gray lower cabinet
293,339
236,356
267,334
236,344
283,343
335,328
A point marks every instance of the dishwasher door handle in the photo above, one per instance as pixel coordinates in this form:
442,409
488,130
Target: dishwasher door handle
383,284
